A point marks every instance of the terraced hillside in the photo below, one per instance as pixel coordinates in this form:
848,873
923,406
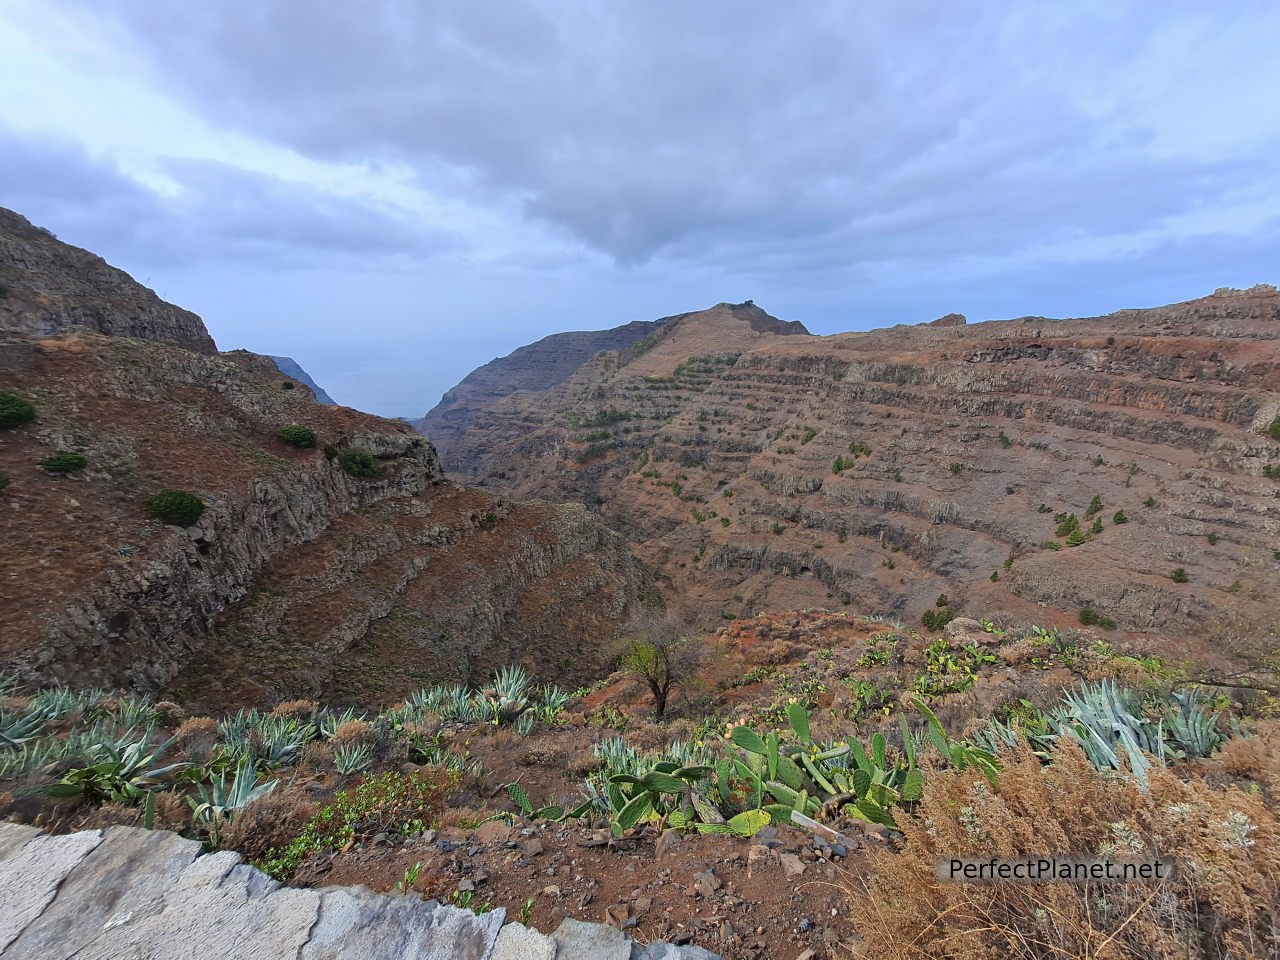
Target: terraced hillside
879,470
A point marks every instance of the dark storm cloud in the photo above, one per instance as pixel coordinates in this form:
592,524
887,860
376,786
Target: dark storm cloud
214,212
715,130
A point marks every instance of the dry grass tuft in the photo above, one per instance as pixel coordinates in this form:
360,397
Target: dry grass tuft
1224,903
352,732
1256,757
197,735
272,821
300,709
169,714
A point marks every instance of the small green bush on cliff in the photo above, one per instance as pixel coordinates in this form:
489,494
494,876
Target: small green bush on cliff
359,463
1273,430
1092,618
296,435
64,461
15,411
177,507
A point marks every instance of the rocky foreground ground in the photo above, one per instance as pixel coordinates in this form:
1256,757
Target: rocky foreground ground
133,893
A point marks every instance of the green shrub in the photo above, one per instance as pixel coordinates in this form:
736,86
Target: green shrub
359,463
296,435
1179,576
1095,507
956,468
177,507
1119,517
287,385
937,619
1149,502
1091,618
1273,430
402,804
64,461
1068,523
15,411
1271,471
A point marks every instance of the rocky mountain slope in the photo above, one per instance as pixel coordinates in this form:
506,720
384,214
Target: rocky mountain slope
878,470
291,368
345,567
47,286
541,366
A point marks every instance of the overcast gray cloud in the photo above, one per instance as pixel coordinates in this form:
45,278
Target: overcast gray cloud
507,170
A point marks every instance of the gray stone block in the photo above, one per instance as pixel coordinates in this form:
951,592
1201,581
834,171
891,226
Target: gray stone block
576,940
667,951
14,836
518,942
30,878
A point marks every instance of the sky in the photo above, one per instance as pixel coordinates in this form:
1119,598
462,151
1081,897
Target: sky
395,191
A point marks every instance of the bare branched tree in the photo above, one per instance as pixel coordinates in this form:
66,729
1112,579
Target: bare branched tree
661,653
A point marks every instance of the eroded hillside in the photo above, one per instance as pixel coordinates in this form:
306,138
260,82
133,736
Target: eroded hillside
344,567
878,470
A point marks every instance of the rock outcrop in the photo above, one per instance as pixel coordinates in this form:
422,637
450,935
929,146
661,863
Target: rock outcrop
127,892
49,287
878,470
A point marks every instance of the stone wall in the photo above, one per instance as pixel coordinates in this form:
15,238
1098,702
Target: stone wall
131,893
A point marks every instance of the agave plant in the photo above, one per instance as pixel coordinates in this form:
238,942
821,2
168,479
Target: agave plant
331,720
58,702
17,730
1109,724
507,700
1192,727
352,758
135,712
234,730
218,802
551,703
278,741
123,776
31,756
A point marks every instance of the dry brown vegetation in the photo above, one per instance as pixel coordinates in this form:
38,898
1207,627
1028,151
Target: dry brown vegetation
1224,902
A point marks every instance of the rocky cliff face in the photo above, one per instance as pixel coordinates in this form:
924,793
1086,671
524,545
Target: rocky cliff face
49,287
878,470
299,577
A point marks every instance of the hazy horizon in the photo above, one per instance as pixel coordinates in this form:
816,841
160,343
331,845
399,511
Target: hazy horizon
393,196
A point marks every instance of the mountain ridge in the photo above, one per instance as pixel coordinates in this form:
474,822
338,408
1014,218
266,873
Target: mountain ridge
882,468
